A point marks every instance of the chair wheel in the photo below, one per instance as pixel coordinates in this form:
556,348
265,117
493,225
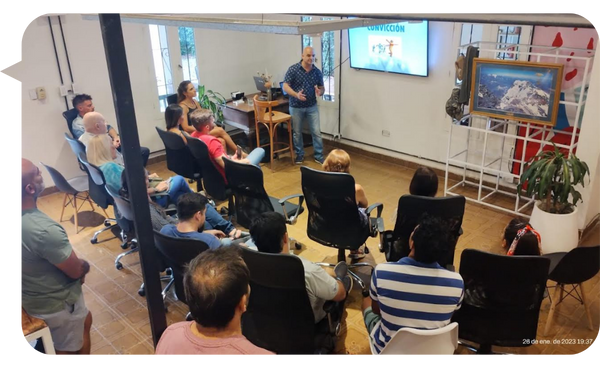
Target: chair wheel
94,241
124,245
366,250
298,246
119,266
142,292
106,223
169,272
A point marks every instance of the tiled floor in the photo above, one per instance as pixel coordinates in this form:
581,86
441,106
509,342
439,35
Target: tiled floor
121,324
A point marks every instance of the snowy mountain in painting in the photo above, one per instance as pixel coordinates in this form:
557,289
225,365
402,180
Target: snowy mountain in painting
525,98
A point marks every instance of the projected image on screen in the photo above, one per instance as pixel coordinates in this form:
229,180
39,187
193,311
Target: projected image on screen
394,48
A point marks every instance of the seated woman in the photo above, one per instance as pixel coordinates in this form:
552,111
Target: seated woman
202,120
424,182
185,98
101,153
214,221
521,239
339,161
173,119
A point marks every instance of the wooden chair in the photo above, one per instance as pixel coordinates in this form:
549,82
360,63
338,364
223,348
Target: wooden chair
35,328
264,114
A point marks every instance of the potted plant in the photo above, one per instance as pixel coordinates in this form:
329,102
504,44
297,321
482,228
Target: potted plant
551,176
212,101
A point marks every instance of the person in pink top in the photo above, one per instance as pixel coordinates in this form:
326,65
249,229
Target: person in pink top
203,120
217,289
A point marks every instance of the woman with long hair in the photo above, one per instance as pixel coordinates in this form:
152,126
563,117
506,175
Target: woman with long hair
185,98
101,153
173,120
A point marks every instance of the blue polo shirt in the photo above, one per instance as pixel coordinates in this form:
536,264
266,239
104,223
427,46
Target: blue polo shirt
209,239
299,79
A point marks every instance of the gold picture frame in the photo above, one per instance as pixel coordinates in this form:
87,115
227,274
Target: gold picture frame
516,90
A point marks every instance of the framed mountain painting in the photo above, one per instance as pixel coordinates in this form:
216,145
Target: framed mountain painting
516,90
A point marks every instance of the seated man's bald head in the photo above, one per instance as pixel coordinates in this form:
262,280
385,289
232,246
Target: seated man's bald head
94,123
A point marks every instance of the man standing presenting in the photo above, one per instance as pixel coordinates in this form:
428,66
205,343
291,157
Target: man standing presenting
52,273
304,82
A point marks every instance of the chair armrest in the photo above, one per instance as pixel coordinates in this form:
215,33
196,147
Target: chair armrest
379,207
292,220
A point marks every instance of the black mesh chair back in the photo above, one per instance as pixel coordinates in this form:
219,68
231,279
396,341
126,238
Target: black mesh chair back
97,184
279,317
411,208
250,198
69,116
577,266
172,99
177,253
179,157
502,298
213,181
333,218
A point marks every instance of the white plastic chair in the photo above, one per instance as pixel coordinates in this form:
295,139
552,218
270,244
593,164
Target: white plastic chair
415,341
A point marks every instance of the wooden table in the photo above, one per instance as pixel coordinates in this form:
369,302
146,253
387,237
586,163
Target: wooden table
34,328
241,116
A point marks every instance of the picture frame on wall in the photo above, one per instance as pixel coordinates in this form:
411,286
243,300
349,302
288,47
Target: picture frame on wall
516,90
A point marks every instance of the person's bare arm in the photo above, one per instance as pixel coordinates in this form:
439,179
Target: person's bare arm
341,294
74,267
361,197
220,162
375,307
115,137
185,125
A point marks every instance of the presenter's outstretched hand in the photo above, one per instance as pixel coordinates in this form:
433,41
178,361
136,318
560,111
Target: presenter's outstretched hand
301,95
317,91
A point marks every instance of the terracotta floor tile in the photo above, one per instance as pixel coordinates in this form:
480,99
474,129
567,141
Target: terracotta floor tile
126,342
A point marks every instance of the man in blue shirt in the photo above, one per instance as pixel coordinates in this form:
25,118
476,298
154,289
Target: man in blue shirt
304,82
415,291
191,211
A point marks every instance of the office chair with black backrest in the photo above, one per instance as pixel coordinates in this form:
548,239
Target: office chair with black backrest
279,316
98,193
176,254
172,99
179,157
333,216
213,182
69,116
572,268
411,209
502,299
74,189
77,147
250,198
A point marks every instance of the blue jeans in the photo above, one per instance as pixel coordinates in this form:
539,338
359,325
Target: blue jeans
177,187
256,156
215,221
311,115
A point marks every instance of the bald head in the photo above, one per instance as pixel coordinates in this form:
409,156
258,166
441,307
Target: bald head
308,57
32,183
94,123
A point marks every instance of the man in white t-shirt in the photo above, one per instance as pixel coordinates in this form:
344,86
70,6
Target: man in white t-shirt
95,124
269,234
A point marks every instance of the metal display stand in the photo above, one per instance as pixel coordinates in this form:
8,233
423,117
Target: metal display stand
493,159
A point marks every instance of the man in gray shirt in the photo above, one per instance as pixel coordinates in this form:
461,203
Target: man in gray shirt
52,274
269,234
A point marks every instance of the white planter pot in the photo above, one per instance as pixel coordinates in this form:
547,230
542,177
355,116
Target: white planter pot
559,233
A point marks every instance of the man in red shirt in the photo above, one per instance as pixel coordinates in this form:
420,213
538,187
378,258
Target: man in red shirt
203,120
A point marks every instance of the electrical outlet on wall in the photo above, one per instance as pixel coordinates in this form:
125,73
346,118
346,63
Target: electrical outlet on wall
64,91
385,133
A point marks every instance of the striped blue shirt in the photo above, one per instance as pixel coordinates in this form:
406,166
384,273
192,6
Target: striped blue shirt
413,294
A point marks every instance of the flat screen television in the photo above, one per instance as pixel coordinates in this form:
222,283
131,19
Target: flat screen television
393,48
